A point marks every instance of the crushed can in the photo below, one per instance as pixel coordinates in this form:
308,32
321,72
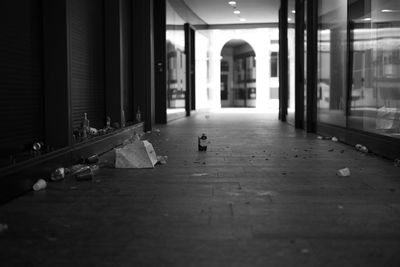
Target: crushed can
202,142
58,174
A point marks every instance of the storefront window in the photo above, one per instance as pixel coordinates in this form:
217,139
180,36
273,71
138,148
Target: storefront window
291,60
176,62
332,62
375,65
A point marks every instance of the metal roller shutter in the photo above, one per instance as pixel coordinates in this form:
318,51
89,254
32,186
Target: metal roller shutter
87,62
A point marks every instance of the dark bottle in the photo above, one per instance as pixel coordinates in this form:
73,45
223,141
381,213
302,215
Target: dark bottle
85,126
138,115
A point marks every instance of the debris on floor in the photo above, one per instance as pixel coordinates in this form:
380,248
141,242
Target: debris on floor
39,185
3,227
162,160
92,159
335,139
202,142
58,174
361,148
136,155
85,174
345,172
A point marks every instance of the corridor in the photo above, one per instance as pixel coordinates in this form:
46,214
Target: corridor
263,194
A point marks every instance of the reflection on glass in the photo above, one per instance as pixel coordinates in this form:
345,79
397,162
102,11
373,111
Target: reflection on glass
176,61
291,60
375,64
332,61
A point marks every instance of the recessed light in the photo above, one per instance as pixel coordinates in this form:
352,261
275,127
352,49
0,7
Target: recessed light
236,11
289,19
390,10
243,19
294,11
232,3
367,19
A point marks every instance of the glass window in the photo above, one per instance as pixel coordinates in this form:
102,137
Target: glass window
274,64
375,66
332,61
176,63
291,60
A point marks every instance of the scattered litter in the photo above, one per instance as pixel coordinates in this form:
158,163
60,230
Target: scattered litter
335,139
3,227
199,174
157,130
79,168
320,137
93,131
202,142
361,148
305,250
39,185
343,172
58,174
136,155
162,160
396,162
85,175
92,159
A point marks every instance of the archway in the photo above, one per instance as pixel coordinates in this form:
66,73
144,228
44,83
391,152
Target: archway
238,75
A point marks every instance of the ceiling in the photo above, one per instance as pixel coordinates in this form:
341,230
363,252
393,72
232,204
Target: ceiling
220,12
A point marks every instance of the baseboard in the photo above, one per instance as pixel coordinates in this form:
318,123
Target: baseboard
19,178
384,146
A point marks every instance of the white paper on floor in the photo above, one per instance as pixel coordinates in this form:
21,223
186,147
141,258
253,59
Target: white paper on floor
139,154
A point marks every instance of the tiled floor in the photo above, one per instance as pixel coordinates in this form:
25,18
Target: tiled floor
263,194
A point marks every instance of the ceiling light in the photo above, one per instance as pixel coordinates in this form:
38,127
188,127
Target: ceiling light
289,19
294,11
232,3
243,19
390,10
236,11
367,19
